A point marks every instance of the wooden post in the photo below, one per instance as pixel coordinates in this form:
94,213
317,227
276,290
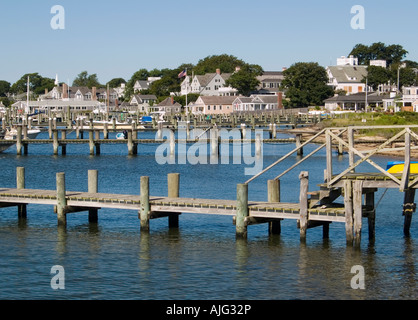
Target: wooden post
328,139
19,140
242,211
50,128
371,215
20,184
144,212
408,209
298,143
273,195
358,210
303,203
172,144
258,145
351,145
91,142
93,186
130,143
348,208
61,200
173,181
55,143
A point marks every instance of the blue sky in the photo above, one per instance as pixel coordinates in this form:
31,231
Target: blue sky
116,38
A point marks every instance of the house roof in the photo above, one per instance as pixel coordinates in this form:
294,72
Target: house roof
217,100
206,78
358,97
168,103
348,74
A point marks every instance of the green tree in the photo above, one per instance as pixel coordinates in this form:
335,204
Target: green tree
115,82
226,63
245,80
376,76
305,84
4,88
85,80
378,51
37,84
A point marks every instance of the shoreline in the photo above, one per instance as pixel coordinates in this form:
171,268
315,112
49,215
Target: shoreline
367,143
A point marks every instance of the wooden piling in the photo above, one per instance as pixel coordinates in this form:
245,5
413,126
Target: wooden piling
144,212
173,182
303,203
371,218
20,184
273,195
242,211
93,186
61,200
298,143
348,208
408,210
19,140
358,210
55,143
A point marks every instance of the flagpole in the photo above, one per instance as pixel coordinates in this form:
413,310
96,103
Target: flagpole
187,92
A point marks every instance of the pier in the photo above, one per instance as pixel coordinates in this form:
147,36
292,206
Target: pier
315,208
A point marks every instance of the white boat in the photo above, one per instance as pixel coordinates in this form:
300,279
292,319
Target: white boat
12,135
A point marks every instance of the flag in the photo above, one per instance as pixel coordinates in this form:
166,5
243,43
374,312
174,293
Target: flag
183,73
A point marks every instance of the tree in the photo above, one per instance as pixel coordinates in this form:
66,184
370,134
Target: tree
4,88
37,84
115,82
86,80
305,84
226,63
377,76
245,80
378,51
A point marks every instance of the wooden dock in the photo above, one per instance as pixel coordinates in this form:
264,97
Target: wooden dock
355,190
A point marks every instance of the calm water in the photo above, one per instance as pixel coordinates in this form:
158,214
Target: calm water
202,259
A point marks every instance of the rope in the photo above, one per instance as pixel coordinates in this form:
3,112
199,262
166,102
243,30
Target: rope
381,197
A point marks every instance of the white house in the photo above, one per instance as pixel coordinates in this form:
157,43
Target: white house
205,85
347,78
256,103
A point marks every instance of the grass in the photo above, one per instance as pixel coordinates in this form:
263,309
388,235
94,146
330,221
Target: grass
374,119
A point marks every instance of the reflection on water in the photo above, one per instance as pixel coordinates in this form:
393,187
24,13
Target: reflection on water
201,259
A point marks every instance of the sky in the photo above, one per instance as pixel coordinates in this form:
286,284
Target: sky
114,39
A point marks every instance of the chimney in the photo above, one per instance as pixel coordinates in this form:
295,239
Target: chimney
237,68
46,90
64,91
279,100
93,94
172,100
218,71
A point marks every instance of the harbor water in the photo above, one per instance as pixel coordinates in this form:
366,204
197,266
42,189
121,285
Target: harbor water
202,259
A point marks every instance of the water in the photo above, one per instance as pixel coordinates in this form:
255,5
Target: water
201,260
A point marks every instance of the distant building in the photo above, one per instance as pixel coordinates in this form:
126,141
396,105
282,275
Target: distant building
256,103
355,102
270,82
167,107
205,85
378,63
348,78
213,105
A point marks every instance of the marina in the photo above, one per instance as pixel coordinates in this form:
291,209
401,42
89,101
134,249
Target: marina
314,208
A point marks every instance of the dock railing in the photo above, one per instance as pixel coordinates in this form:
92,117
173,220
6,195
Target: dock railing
334,136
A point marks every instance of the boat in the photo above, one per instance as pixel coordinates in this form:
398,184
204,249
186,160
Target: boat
11,135
398,166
